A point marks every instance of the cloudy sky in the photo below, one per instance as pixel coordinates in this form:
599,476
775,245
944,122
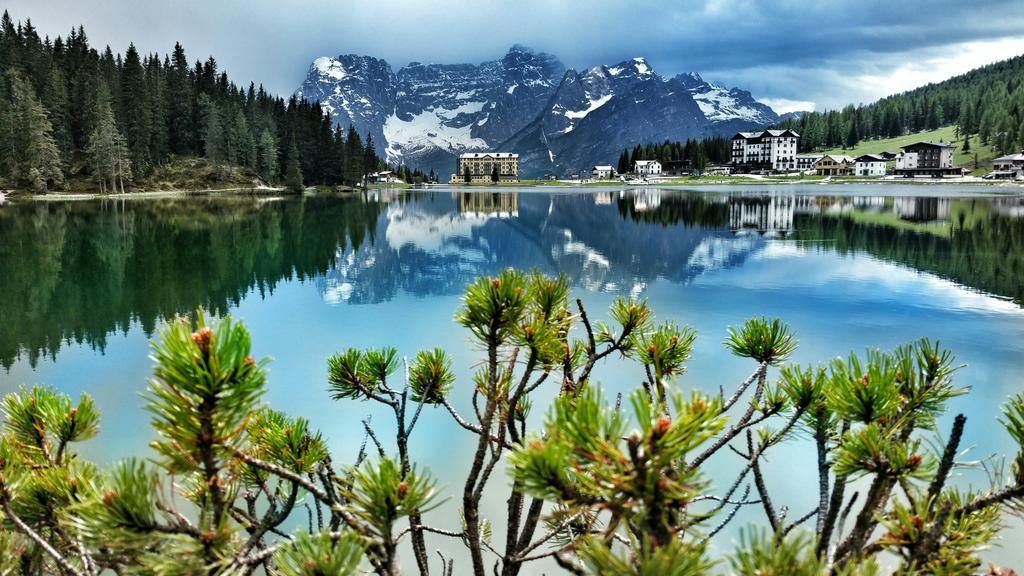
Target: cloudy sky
790,54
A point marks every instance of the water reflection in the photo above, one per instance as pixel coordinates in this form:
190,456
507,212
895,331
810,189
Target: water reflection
80,271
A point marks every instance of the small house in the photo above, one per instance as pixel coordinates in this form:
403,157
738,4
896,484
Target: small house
602,172
647,168
834,165
869,165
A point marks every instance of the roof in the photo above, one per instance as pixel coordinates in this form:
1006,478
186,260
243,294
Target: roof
815,156
1010,157
838,157
870,158
646,162
602,167
763,133
927,143
491,154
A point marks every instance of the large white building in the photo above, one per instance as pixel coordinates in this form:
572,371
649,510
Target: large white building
647,168
773,150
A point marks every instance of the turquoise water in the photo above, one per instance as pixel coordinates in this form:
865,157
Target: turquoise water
84,284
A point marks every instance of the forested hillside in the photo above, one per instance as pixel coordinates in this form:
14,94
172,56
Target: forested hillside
699,153
72,113
987,101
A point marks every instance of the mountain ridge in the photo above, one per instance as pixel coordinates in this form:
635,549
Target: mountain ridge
559,120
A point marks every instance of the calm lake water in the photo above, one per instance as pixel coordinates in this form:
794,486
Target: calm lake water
83,286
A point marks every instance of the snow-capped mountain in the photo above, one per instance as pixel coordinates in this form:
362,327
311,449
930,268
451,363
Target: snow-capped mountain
558,120
720,104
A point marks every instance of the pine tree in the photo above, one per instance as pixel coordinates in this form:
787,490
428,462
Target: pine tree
180,96
293,169
494,173
353,157
466,175
138,114
32,156
267,156
108,151
369,156
214,148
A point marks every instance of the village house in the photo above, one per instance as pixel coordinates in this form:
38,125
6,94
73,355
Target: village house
383,177
1010,166
647,168
676,167
834,165
480,166
933,159
603,172
805,162
768,150
869,165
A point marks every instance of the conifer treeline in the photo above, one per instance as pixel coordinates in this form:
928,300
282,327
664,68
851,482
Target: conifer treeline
987,101
70,111
699,153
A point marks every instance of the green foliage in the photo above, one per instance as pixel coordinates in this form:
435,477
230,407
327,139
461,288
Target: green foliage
763,340
665,349
803,387
873,450
122,512
380,494
356,374
205,388
949,542
864,392
430,376
42,422
1013,421
760,554
492,307
678,558
582,458
286,441
321,555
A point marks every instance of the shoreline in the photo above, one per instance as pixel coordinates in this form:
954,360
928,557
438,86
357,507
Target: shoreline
994,187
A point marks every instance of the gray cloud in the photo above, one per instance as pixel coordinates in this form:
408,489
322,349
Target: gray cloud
781,49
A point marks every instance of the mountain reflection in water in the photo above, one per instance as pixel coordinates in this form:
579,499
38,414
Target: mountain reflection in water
79,271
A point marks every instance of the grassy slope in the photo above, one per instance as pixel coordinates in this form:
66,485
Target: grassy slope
946,133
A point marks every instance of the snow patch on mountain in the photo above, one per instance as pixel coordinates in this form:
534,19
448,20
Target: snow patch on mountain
719,104
594,105
329,67
430,129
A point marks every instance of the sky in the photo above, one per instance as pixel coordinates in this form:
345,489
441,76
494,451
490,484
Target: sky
792,55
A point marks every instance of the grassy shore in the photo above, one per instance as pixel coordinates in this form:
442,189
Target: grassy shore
984,154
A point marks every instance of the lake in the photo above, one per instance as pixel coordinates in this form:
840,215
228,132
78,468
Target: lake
84,285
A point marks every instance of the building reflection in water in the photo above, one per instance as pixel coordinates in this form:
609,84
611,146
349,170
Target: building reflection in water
916,209
496,204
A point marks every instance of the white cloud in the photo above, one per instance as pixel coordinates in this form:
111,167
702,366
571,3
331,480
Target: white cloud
783,105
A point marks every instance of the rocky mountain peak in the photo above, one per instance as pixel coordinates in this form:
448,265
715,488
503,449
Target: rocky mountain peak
424,115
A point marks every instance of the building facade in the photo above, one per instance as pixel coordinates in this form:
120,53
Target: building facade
1009,166
869,165
647,168
834,165
768,150
927,159
805,162
602,172
480,167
